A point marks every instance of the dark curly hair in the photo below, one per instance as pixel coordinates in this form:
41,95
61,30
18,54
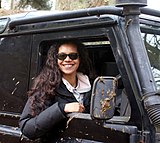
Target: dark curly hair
48,80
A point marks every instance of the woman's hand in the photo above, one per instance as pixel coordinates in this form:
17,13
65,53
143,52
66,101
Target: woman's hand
74,107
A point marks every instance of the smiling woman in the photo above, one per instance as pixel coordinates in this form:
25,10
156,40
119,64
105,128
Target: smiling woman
68,62
62,87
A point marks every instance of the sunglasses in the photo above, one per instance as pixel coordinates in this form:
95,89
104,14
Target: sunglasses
63,56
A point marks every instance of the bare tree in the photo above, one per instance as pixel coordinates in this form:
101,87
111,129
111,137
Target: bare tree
12,3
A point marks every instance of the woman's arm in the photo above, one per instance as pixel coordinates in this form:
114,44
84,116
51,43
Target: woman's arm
35,127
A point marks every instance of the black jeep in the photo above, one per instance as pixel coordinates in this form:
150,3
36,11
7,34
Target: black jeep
124,46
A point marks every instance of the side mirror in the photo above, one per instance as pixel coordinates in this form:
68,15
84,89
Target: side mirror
103,98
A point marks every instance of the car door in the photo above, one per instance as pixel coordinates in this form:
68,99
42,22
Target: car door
15,54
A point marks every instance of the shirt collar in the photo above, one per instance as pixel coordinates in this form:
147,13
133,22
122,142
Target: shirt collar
83,84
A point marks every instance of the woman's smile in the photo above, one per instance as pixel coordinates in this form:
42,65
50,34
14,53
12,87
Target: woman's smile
68,65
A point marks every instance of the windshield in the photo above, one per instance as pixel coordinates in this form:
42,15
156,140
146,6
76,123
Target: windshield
152,44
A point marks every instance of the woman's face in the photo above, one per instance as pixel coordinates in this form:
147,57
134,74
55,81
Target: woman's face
68,64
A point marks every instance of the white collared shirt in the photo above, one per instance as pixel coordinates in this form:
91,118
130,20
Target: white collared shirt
83,85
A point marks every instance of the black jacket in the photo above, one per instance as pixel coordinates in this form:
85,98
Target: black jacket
49,123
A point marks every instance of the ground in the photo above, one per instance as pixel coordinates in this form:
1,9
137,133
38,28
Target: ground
9,12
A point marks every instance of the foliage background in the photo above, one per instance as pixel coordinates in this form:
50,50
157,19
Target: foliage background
79,4
19,6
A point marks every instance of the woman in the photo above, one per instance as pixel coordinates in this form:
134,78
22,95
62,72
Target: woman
62,87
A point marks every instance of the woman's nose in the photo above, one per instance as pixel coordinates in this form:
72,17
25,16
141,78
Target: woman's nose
67,59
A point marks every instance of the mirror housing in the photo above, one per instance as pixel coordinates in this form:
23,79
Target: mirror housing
103,98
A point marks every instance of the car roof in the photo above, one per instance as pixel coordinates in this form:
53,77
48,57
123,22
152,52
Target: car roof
46,16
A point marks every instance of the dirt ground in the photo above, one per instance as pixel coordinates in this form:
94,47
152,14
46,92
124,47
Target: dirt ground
9,12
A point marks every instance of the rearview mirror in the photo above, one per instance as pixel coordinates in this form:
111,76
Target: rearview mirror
103,98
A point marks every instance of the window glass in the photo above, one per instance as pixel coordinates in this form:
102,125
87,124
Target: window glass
152,44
